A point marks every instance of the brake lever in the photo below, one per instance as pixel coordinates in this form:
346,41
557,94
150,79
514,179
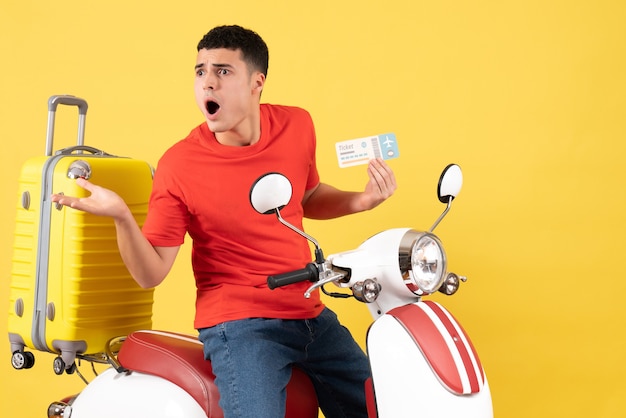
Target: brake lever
330,277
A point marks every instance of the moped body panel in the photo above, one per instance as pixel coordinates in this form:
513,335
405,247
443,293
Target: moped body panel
423,364
132,395
444,344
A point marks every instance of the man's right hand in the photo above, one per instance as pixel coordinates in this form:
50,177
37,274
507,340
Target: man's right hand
147,264
103,202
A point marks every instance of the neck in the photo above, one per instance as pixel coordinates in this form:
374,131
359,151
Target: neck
237,138
245,132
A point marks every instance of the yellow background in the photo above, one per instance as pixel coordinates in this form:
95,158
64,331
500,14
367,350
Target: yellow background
527,96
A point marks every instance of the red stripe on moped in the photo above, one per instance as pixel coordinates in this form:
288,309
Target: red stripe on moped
471,363
444,344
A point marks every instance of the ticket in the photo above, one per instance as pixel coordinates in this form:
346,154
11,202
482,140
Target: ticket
361,150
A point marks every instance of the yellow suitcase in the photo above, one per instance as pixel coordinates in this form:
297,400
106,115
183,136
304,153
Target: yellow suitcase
70,292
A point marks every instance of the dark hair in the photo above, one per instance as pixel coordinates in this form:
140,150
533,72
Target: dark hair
253,48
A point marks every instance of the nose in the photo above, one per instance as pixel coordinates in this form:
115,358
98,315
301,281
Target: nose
209,82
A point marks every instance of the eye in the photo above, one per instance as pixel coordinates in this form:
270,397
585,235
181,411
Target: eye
222,71
200,73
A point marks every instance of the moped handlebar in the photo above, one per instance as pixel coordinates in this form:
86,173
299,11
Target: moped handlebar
310,273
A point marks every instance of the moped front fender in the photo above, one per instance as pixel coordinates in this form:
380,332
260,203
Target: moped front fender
424,364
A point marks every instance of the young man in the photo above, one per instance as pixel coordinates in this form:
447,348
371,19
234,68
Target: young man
252,335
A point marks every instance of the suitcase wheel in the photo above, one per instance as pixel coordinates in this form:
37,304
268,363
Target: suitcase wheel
59,366
22,360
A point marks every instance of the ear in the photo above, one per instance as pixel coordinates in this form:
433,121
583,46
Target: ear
258,82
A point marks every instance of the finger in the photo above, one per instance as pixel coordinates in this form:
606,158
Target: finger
377,172
376,182
383,167
384,179
63,200
85,184
385,172
379,166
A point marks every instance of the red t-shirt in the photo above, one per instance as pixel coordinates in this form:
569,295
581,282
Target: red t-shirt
202,188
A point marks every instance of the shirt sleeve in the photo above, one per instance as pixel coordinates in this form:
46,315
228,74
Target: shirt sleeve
313,178
167,220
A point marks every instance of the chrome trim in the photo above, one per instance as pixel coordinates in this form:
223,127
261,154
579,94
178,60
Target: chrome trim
59,410
111,349
405,248
404,259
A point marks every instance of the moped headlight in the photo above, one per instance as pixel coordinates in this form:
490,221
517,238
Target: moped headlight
427,263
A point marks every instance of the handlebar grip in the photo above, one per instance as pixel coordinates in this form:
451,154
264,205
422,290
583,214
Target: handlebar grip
309,273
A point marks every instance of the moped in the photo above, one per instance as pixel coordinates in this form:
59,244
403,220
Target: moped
422,361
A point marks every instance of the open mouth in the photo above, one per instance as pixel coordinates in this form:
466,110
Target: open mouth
212,107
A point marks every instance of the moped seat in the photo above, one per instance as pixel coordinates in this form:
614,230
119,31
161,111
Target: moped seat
179,358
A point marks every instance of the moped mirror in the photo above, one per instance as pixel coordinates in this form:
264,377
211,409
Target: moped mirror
270,192
449,186
450,183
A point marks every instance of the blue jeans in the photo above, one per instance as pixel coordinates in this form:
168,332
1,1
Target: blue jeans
252,360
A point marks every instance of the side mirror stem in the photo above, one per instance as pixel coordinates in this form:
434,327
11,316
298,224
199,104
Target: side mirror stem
319,255
445,212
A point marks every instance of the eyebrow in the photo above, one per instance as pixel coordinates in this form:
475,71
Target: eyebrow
200,65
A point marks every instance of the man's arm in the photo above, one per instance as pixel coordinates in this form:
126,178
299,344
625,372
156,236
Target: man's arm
326,201
147,264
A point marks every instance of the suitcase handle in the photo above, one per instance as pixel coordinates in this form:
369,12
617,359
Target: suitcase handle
79,148
53,103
